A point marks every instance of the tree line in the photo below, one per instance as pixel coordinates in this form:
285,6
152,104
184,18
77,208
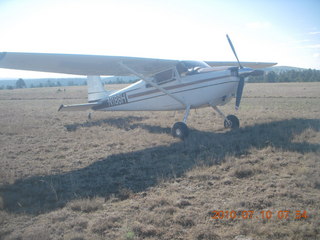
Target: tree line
307,75
31,83
20,83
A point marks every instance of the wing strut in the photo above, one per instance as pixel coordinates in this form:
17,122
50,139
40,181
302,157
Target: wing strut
153,84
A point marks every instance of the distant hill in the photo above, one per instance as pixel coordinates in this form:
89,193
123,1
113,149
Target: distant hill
278,69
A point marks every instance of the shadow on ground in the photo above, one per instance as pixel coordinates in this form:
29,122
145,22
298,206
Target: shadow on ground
139,170
120,122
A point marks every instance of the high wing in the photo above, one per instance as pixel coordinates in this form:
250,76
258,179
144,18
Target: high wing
83,64
98,65
253,65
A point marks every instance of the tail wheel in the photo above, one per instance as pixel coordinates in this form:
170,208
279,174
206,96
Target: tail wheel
180,130
232,122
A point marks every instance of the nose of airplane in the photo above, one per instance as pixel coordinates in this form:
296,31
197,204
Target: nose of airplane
245,72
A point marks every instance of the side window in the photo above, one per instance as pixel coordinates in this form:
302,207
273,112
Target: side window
163,77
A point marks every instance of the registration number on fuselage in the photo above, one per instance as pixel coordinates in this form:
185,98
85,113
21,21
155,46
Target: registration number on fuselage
116,100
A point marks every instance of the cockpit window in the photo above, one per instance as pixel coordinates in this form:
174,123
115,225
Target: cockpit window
190,67
193,64
163,77
183,68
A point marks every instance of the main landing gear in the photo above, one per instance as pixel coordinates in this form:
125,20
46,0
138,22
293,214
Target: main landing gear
181,130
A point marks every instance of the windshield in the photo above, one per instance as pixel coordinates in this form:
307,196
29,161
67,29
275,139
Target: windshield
193,64
191,67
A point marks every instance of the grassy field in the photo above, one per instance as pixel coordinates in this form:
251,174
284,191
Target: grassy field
122,176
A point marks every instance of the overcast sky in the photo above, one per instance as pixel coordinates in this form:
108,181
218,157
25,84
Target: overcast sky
283,31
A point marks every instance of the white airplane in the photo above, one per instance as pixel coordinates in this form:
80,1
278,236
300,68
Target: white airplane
164,85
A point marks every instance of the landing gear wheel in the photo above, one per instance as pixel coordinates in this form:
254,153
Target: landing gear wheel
180,130
232,122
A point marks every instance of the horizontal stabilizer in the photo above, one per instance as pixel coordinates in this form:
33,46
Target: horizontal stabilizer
77,107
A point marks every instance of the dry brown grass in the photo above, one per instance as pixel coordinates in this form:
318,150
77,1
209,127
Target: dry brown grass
122,176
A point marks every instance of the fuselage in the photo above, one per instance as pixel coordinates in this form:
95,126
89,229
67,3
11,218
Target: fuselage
197,87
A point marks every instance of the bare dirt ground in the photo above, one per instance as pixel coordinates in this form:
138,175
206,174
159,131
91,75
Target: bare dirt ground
122,176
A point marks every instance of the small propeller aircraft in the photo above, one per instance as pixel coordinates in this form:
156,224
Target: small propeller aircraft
164,85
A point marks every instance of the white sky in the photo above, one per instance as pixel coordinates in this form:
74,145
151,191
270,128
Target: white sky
283,31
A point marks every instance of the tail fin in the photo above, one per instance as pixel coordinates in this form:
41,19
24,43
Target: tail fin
96,90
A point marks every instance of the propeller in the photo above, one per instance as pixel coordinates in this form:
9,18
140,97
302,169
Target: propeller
241,80
234,51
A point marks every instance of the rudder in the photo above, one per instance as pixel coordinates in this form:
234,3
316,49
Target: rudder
96,90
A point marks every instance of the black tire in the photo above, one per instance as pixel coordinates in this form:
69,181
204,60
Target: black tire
233,122
180,130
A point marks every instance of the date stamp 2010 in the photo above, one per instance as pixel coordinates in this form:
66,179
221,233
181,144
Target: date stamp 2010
283,214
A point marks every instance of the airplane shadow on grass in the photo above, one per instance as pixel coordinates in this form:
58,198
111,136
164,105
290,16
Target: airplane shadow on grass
136,171
120,122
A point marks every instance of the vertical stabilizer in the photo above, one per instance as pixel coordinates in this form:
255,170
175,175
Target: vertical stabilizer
96,90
